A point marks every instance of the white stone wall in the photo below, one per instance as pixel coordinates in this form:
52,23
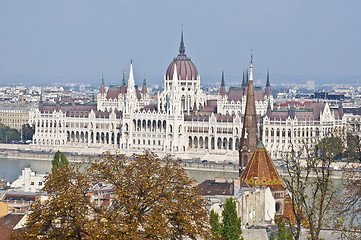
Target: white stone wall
29,181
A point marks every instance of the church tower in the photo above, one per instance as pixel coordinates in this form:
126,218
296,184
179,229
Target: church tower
249,137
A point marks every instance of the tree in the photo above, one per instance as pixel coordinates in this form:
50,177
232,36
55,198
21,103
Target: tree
231,224
309,182
215,226
153,199
66,213
284,233
348,211
28,132
8,135
59,160
150,198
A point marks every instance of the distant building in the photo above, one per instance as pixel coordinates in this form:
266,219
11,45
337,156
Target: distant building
16,115
29,181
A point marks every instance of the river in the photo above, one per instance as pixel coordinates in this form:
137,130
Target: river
10,169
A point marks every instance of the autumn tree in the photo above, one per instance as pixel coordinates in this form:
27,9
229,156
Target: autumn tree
309,182
216,228
348,211
231,224
151,198
66,209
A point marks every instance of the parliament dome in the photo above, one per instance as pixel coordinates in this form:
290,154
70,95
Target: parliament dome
186,70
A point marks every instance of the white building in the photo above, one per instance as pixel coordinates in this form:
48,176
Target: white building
29,181
182,121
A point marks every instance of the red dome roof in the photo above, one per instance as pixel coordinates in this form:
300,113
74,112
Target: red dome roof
185,67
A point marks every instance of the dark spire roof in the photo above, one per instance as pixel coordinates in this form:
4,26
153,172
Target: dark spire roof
182,49
291,112
223,88
247,78
249,137
123,79
144,82
268,84
243,80
222,84
102,79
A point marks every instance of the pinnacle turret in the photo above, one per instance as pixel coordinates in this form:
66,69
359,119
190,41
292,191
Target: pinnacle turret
223,88
182,49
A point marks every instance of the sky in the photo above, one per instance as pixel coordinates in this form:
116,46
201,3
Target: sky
44,42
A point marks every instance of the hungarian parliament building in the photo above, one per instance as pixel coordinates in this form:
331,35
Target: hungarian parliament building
182,120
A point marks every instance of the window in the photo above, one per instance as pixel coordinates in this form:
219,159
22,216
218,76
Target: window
40,183
32,183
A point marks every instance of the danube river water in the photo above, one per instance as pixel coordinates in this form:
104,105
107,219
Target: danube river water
10,169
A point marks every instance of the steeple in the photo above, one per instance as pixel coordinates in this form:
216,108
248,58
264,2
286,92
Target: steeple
243,80
123,79
144,87
131,97
269,110
131,77
268,87
249,137
291,111
268,84
223,88
102,87
182,49
123,87
247,79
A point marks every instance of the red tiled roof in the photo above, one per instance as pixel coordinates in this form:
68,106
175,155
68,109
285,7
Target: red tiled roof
113,92
236,93
260,165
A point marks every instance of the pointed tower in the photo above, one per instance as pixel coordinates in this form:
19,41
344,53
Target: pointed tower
249,137
131,97
144,87
267,92
291,111
182,49
247,79
123,88
223,87
243,80
102,87
269,109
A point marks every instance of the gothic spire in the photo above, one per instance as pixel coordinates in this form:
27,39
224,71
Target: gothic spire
249,137
222,84
243,80
144,87
123,79
291,112
102,87
223,87
182,49
268,84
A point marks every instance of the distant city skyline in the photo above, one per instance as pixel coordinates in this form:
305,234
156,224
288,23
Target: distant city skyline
67,41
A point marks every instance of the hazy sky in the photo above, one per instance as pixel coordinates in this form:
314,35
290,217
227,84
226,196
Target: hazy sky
75,40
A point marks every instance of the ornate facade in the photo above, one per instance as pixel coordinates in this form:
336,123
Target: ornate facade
182,120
